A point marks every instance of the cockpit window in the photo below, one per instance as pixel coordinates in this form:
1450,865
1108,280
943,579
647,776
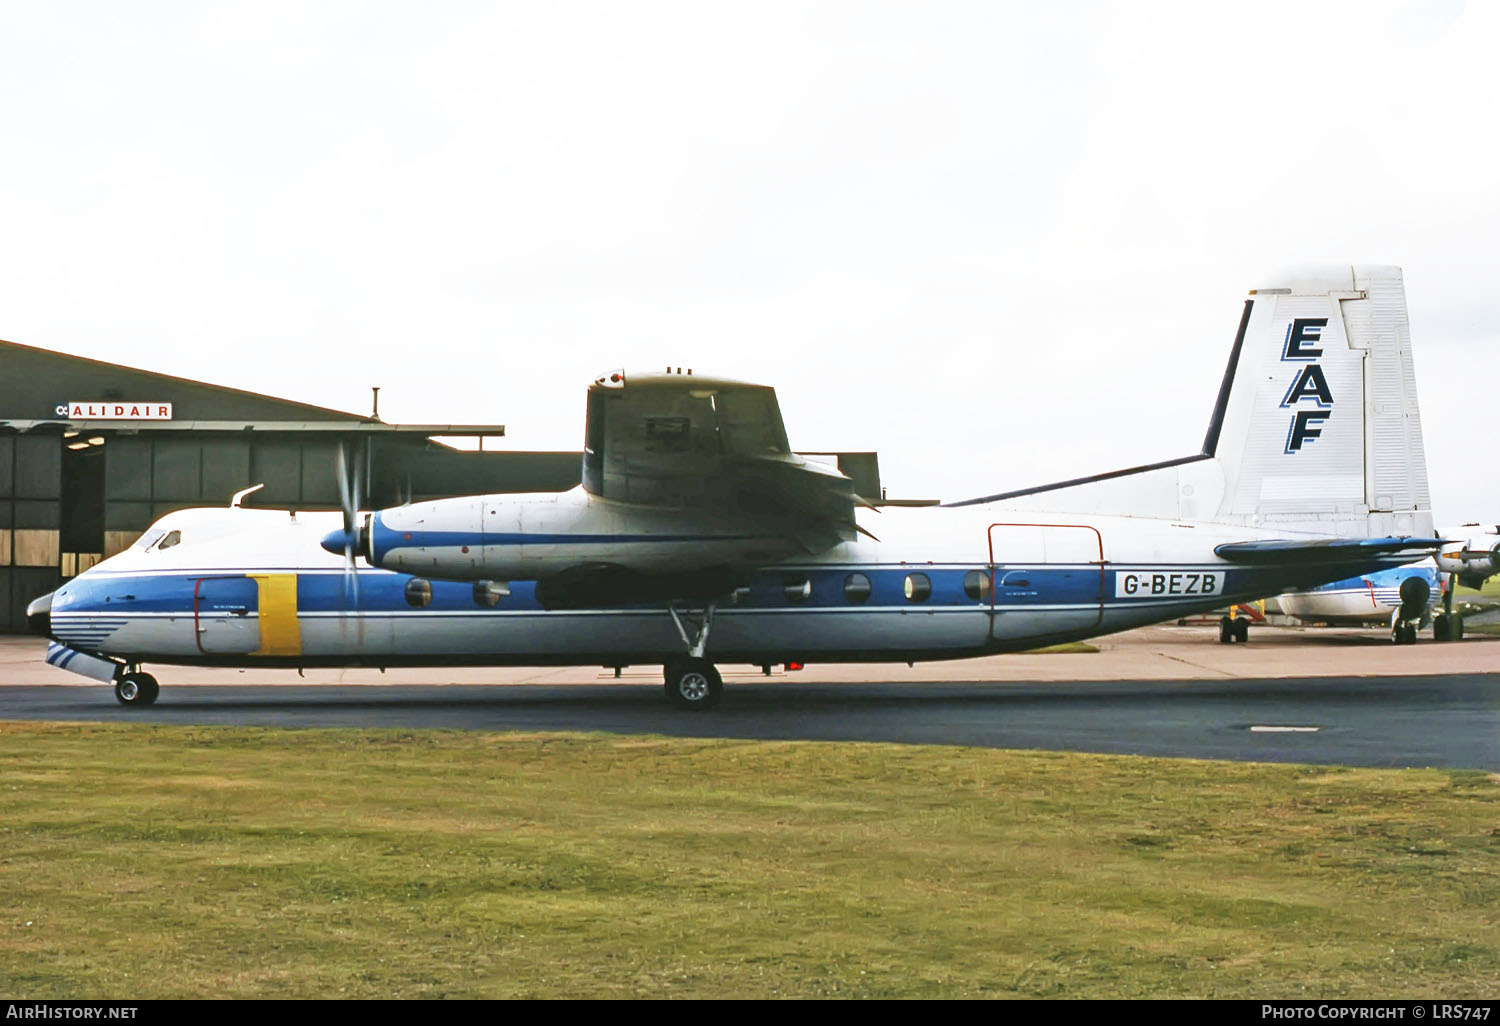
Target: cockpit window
172,538
149,539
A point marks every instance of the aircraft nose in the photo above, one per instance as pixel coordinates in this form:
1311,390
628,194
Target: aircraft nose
39,615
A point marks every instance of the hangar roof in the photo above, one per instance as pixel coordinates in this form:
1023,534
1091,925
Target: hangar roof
34,383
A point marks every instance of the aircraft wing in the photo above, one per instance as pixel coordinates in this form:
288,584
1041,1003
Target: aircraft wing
1328,550
715,446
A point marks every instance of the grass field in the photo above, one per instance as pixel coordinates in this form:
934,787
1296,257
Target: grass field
140,861
1475,603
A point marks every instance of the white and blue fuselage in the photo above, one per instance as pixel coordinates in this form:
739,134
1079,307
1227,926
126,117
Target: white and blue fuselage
255,587
1374,597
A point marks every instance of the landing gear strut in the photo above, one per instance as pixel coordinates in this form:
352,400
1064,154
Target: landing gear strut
691,681
1448,625
136,689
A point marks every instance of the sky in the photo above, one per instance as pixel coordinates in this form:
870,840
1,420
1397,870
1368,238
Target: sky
969,236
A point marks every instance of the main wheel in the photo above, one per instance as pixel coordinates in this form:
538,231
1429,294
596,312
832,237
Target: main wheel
1442,628
693,684
136,689
1404,634
1226,630
1241,629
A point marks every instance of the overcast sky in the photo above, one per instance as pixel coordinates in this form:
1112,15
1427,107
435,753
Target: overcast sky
970,236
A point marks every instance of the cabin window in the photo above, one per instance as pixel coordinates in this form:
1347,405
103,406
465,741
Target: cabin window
168,540
797,589
856,588
977,584
918,587
418,592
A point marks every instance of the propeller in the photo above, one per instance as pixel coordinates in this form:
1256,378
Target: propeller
348,541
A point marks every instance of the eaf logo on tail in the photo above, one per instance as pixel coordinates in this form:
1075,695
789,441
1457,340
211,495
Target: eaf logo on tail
1303,336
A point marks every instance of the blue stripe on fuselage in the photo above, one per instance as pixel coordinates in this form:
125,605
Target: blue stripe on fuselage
328,591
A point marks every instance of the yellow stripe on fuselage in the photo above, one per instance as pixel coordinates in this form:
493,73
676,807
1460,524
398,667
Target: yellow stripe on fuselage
280,634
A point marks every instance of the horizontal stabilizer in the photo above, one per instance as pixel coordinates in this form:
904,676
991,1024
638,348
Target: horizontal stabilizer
1326,550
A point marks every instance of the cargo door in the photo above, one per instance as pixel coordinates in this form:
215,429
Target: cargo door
1048,580
226,614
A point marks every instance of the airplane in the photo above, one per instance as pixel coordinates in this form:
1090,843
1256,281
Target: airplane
698,538
1408,597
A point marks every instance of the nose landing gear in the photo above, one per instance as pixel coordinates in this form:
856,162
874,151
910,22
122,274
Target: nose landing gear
136,688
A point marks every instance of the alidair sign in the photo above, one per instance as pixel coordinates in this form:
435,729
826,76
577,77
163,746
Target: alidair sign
114,410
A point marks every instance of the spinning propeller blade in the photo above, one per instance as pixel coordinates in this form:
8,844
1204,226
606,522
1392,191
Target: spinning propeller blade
349,504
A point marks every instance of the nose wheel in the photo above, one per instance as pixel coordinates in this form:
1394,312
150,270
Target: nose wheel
136,689
693,683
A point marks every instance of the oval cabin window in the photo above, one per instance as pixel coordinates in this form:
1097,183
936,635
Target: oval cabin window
418,592
856,588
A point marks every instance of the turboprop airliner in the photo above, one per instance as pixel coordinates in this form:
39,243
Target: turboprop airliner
1408,597
698,538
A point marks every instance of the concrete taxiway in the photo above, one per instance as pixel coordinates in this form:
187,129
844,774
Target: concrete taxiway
1320,696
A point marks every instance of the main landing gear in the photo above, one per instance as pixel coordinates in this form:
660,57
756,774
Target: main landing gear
1403,632
1448,625
1412,612
136,688
691,681
1232,629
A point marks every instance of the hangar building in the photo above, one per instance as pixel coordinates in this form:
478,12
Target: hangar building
92,453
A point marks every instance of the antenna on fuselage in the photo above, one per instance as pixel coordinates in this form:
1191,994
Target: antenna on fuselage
239,496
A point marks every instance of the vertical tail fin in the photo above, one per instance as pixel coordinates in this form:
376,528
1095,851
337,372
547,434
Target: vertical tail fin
1317,424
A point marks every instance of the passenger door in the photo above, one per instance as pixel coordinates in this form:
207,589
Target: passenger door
1048,580
226,615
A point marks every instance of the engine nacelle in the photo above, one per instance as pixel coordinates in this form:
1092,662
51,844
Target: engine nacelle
1474,558
1415,593
540,536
